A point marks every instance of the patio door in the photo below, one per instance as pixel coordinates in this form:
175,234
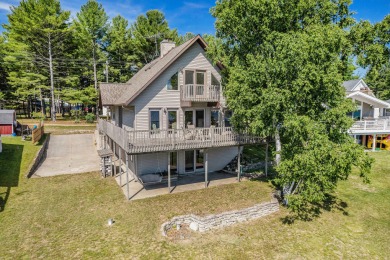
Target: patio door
194,117
194,161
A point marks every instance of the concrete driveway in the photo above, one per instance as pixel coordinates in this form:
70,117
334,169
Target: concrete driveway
68,154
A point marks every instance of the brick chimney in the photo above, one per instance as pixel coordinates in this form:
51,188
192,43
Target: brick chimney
165,47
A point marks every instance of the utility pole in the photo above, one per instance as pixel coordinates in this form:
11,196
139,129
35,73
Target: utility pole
95,78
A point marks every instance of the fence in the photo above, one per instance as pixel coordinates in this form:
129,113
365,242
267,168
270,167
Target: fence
37,133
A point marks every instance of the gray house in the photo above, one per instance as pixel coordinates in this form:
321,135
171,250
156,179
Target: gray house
171,117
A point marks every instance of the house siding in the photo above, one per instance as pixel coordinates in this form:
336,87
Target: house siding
218,158
156,96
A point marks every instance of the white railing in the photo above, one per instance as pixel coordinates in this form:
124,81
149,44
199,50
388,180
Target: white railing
371,125
200,93
144,141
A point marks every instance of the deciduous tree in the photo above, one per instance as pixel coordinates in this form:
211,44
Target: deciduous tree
283,78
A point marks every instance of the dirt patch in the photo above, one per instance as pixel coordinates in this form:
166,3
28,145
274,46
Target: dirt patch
181,234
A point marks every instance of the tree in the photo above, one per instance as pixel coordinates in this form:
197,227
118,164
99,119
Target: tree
148,32
120,50
372,47
41,25
90,28
283,75
3,74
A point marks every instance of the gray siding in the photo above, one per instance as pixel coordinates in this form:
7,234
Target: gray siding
157,162
156,96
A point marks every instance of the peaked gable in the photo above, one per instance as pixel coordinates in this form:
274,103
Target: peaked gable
144,77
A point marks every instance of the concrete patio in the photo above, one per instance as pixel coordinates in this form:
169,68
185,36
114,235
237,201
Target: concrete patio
184,183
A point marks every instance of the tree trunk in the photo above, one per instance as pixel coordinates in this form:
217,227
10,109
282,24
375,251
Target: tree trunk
42,106
95,80
53,108
278,146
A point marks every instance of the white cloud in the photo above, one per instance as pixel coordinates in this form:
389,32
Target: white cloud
5,6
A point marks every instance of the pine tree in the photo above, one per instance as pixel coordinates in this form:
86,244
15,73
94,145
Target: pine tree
120,50
148,32
37,31
91,26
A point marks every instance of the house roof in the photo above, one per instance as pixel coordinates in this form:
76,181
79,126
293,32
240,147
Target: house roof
145,76
7,117
376,102
109,93
351,84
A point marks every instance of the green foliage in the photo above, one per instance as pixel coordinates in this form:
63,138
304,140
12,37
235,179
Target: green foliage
372,47
76,115
38,115
283,75
37,33
149,29
120,50
90,118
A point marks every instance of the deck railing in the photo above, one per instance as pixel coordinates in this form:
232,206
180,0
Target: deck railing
200,93
145,141
371,125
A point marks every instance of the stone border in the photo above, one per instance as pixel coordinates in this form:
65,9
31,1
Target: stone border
225,219
39,157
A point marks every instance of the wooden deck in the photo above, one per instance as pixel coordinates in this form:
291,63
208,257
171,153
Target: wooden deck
375,126
137,142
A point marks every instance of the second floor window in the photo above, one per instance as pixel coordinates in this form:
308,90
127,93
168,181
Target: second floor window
172,119
154,119
173,82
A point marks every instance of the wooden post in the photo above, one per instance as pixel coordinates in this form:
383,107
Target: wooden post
239,164
127,176
120,167
206,168
266,159
169,172
373,142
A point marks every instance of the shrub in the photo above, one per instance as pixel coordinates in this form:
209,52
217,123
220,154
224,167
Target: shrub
90,117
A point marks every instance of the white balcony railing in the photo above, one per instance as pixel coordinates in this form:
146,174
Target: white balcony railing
371,126
144,141
200,93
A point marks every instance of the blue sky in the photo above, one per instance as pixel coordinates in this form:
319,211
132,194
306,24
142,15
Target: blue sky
190,15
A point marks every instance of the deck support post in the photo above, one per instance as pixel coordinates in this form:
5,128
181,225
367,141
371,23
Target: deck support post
266,159
127,176
169,172
239,164
373,142
120,166
206,169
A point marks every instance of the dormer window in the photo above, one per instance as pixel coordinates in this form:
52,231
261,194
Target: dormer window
173,82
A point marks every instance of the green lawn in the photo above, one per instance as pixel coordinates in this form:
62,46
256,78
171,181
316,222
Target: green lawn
65,217
69,129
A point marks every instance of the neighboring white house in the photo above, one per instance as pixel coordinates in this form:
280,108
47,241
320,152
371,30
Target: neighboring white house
171,117
372,120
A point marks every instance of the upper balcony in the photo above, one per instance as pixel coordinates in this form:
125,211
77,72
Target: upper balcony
374,126
160,140
200,93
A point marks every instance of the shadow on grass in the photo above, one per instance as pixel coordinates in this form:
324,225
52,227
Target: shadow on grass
313,211
10,161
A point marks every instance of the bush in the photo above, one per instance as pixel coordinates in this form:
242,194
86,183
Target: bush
90,117
76,114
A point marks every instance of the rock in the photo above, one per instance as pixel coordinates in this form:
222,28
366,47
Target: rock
194,226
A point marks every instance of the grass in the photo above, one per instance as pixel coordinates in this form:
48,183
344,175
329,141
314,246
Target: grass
65,217
69,129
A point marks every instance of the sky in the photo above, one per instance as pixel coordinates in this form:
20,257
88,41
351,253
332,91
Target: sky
190,15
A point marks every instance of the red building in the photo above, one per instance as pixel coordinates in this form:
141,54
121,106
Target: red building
7,119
